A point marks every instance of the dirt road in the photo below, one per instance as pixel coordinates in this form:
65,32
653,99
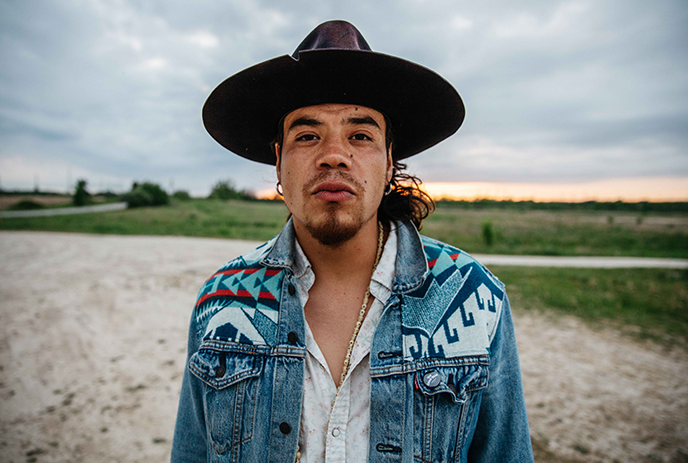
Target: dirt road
92,348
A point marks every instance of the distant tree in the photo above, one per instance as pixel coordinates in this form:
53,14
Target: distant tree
145,194
181,195
81,196
225,189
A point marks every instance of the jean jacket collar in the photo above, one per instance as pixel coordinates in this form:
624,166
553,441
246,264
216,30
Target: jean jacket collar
411,265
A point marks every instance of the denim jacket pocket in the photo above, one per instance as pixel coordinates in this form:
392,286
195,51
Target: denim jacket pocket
445,403
230,378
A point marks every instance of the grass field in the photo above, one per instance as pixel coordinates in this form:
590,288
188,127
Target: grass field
646,303
208,218
513,232
651,303
562,233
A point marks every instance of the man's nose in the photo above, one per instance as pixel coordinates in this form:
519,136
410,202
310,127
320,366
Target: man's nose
335,155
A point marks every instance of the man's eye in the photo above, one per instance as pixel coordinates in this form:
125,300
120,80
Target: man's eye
307,137
361,137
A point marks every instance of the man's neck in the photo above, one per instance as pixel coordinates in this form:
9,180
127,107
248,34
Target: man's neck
353,258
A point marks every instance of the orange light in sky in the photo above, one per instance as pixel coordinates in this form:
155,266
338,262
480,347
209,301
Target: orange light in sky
624,189
654,189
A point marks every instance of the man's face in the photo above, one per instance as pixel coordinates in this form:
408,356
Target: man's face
333,166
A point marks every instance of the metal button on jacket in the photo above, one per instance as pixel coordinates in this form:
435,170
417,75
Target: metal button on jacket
432,379
291,290
292,338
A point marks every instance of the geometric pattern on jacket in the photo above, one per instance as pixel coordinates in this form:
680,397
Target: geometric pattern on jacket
453,313
456,310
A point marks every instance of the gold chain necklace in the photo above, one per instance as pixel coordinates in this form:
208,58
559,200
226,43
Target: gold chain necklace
362,313
359,322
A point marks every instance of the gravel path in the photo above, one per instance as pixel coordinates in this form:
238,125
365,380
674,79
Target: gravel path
65,210
92,348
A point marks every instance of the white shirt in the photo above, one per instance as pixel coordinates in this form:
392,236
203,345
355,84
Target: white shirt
335,427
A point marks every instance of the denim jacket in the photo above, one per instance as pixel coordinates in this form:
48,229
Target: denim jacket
445,377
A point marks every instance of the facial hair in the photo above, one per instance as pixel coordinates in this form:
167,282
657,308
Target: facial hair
332,231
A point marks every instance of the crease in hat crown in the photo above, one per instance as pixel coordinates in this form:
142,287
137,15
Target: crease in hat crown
339,35
333,64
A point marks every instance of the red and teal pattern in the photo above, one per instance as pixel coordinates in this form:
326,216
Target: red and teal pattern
240,303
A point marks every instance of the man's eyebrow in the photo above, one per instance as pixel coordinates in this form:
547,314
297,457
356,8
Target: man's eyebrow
365,120
305,121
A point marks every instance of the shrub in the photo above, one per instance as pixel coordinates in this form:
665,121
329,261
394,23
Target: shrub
488,233
81,196
158,195
224,189
146,194
181,195
25,205
137,197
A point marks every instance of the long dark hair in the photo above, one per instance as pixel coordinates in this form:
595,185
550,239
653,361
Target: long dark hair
403,200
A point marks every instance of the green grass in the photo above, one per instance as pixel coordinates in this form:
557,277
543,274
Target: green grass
571,233
561,233
208,218
649,303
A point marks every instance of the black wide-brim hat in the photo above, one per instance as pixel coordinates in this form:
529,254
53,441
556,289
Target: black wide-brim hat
333,64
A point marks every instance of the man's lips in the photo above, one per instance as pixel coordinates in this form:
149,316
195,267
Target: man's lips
333,191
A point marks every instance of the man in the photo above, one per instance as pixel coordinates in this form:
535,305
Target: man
348,337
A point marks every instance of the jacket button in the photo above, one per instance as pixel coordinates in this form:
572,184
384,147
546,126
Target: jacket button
432,379
220,370
291,290
285,428
292,338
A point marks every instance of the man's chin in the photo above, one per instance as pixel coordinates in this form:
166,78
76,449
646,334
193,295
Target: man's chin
333,230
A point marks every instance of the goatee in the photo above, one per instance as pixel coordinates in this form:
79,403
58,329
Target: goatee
332,231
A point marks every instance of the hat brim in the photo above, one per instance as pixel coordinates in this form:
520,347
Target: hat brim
242,113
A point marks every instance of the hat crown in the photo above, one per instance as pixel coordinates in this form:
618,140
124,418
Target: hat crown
333,35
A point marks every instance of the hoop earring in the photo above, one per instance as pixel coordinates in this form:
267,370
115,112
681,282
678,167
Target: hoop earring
388,189
278,187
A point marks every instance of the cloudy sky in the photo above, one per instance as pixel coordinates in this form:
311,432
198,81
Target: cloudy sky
556,92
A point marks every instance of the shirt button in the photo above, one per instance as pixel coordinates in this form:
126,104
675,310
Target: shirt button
432,379
291,290
285,428
292,338
335,432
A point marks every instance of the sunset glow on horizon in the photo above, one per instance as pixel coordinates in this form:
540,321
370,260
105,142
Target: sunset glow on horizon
653,189
660,189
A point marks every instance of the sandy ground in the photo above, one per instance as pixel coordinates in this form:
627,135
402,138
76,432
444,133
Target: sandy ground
92,348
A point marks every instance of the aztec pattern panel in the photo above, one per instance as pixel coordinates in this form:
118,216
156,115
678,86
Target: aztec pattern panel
240,303
456,310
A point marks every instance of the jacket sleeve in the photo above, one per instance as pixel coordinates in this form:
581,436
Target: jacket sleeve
501,432
190,439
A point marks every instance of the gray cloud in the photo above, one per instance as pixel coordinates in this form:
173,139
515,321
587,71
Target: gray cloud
554,90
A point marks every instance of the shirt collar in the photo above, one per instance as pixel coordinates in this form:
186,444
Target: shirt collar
383,275
410,264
